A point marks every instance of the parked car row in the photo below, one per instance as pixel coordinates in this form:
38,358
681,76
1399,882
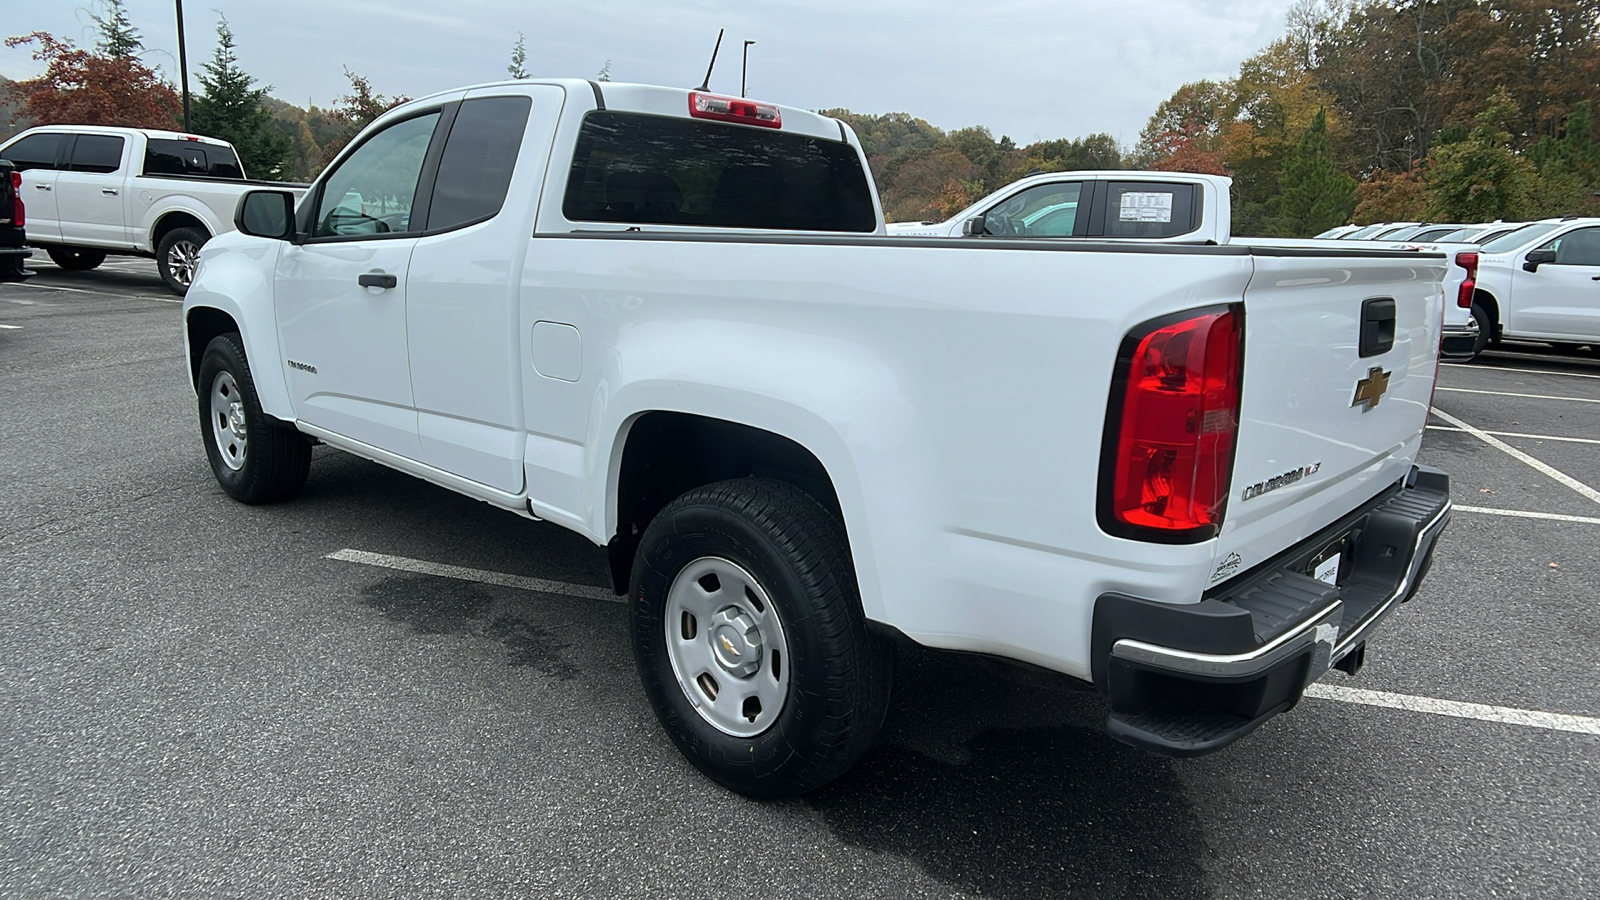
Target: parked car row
93,191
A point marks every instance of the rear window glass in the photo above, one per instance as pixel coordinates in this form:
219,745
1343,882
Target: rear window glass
170,157
1527,234
475,170
96,153
36,151
660,170
1150,209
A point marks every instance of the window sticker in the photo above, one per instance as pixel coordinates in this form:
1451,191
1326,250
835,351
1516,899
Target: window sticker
1146,206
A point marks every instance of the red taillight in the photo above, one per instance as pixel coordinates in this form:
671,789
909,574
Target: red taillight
1174,418
18,218
734,109
1469,261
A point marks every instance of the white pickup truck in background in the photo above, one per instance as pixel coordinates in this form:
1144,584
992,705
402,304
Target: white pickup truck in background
1541,283
1168,207
673,323
93,191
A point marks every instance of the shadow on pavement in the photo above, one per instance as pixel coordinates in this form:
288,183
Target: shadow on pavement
1057,810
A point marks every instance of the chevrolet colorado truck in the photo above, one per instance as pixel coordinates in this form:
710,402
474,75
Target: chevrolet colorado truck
673,322
94,191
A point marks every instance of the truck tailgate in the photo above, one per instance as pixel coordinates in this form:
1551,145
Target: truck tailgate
1327,423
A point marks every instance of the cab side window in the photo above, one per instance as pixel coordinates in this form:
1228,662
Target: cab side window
101,153
36,151
1580,247
1150,209
475,169
1045,210
374,188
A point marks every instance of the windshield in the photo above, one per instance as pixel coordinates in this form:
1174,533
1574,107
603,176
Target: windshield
1521,237
1360,233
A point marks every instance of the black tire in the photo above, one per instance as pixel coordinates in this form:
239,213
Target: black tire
271,462
840,674
176,256
1485,329
76,259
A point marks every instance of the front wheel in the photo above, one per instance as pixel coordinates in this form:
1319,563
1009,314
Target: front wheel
253,460
750,641
76,259
177,257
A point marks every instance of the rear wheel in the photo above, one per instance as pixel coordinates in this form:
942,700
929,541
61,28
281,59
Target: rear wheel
254,460
76,259
749,638
177,257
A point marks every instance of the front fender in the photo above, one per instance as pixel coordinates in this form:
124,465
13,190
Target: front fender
235,277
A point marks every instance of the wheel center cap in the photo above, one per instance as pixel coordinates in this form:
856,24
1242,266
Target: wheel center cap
236,419
736,641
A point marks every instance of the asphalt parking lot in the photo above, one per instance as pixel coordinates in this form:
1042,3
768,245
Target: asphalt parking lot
375,691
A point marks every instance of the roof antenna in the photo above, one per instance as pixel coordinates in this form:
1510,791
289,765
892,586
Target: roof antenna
706,85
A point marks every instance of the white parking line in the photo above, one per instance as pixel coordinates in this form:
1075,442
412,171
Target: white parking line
482,576
1529,371
1506,714
53,287
1517,434
1498,444
1528,396
1524,514
11,327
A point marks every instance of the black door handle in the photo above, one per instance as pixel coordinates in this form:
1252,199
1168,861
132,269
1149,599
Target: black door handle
1596,278
377,280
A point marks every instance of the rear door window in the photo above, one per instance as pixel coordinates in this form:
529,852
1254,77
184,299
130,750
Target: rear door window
100,153
661,170
169,157
1150,209
475,169
36,151
1576,248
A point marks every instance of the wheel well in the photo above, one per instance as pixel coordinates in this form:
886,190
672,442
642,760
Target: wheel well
204,324
171,221
668,454
1490,305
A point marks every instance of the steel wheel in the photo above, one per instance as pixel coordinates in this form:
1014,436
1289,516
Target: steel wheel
228,427
727,646
183,257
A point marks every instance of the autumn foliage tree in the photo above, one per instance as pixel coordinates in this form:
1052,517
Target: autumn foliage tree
356,110
88,87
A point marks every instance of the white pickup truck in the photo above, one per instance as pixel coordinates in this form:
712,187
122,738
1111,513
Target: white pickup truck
1541,283
93,191
1168,207
672,322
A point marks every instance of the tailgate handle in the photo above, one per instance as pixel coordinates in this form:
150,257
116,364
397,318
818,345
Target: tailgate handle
1377,326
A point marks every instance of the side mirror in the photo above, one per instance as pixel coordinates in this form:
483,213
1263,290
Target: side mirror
974,226
1536,258
268,214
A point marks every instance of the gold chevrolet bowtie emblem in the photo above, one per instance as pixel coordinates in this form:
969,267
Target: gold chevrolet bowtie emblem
728,645
1370,389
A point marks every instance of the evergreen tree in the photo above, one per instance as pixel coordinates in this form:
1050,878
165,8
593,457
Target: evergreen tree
605,72
118,38
1314,195
1480,179
519,59
232,110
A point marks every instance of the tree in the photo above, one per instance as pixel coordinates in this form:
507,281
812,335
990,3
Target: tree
1480,179
232,110
1315,195
355,111
118,38
605,72
519,58
82,87
1184,135
1390,197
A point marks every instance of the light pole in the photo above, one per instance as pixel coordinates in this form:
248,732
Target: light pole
183,67
745,67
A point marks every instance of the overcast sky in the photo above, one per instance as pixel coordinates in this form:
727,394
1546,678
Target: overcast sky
1031,69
